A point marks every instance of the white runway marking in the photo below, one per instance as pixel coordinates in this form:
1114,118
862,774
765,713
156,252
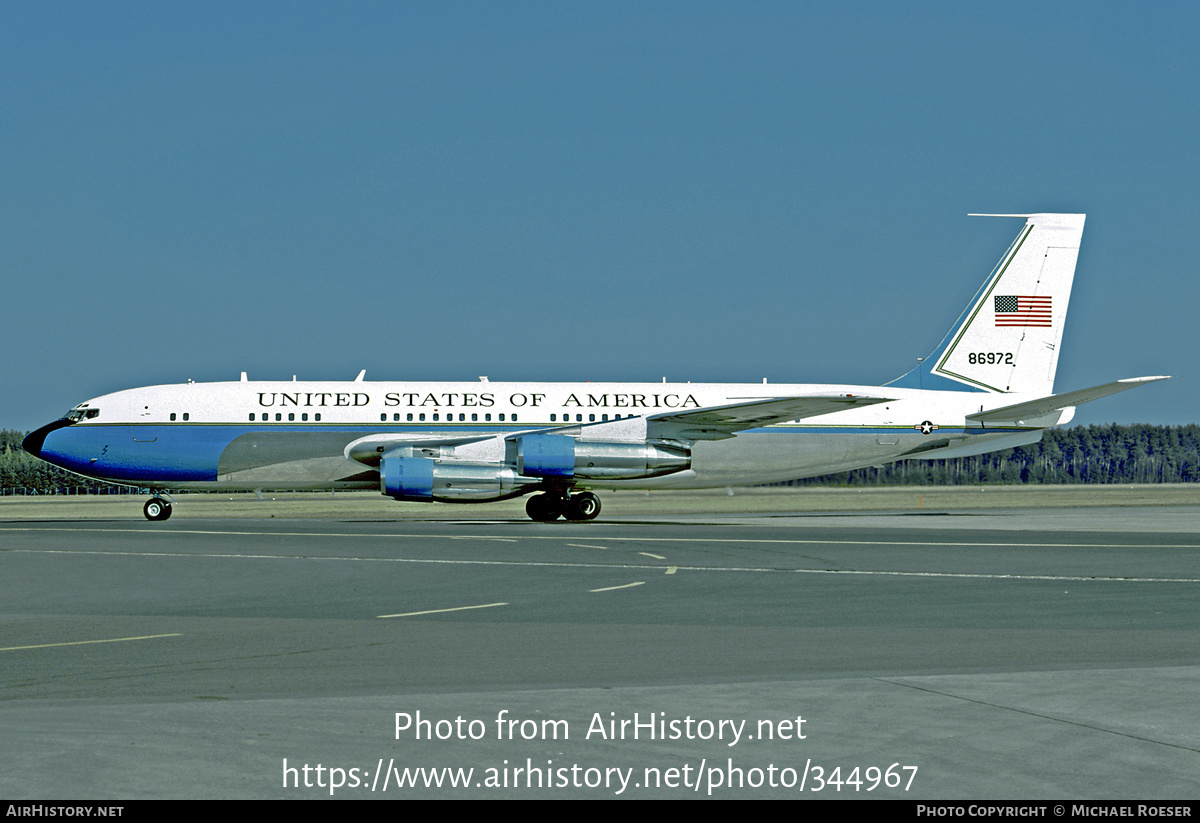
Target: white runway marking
565,565
86,642
614,588
593,565
440,611
638,539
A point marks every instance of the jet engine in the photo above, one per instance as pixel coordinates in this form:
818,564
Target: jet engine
561,456
421,478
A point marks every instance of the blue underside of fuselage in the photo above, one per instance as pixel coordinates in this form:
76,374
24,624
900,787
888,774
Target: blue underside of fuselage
138,453
156,453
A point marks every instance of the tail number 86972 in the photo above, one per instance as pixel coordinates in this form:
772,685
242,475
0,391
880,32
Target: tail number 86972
991,358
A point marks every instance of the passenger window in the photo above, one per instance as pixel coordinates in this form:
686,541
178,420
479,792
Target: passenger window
579,418
591,418
317,416
304,416
422,417
487,418
172,415
251,417
278,417
410,417
474,418
185,415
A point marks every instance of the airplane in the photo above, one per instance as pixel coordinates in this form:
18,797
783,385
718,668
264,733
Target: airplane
987,386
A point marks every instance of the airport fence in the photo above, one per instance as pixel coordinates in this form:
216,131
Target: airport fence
68,491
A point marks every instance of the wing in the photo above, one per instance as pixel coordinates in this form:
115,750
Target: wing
720,422
370,449
711,423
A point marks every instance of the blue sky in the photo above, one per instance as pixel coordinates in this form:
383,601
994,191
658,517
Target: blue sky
563,191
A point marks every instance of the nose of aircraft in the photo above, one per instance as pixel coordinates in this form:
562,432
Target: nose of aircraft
36,440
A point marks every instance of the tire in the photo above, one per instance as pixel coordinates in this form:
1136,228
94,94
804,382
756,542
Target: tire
583,506
157,509
543,508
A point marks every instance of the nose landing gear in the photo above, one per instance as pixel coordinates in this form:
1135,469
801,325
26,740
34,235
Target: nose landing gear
157,508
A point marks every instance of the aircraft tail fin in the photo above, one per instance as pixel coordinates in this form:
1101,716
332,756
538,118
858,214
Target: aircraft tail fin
1008,339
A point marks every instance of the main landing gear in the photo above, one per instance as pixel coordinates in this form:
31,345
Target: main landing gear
549,506
157,508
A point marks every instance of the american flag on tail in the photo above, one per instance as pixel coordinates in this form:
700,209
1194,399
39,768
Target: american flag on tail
1022,310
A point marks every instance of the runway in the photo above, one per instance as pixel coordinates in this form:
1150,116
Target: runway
1004,654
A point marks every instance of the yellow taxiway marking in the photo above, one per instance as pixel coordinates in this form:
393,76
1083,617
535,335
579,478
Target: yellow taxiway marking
585,546
614,588
86,642
655,556
440,611
672,569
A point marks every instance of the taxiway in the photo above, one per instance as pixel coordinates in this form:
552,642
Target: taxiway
1005,654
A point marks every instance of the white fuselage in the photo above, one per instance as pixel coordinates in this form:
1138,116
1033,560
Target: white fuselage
293,434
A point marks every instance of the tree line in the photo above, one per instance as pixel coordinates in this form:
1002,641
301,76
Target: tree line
22,473
1111,453
1082,454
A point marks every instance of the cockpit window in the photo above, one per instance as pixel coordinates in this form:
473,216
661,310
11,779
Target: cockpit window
81,413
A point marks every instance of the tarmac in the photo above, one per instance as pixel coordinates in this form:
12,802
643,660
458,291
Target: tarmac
1006,654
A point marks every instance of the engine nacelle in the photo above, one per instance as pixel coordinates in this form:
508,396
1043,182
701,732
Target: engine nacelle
558,455
420,478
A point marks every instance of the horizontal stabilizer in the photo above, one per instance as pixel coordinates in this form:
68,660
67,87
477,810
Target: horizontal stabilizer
1057,402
